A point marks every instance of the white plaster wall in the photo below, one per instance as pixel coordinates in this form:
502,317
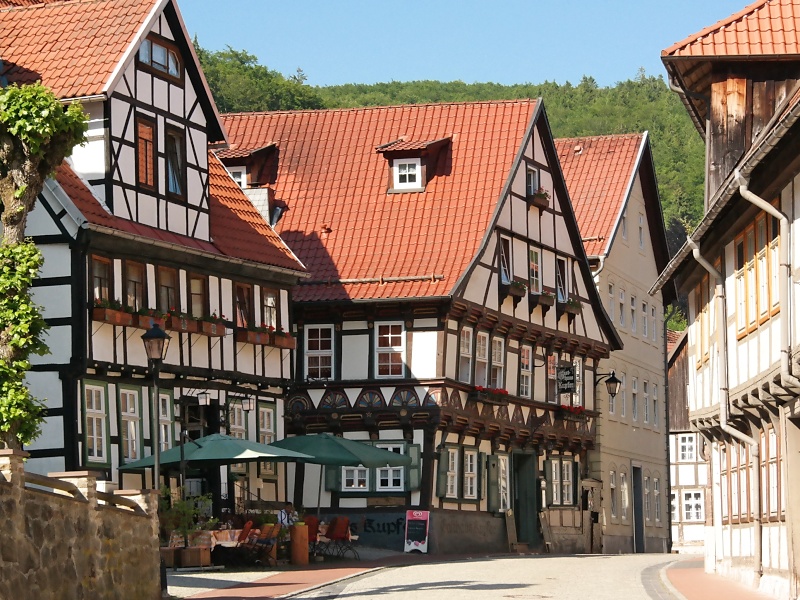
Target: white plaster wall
355,350
425,350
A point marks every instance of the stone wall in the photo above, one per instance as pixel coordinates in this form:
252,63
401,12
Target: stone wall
64,540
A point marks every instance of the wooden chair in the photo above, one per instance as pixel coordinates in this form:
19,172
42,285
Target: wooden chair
313,533
260,548
340,540
244,534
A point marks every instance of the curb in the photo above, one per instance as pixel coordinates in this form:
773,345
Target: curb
667,583
333,581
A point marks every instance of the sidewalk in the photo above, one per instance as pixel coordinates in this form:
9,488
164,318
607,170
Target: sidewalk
693,583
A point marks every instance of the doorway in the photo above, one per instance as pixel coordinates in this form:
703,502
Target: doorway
638,512
525,505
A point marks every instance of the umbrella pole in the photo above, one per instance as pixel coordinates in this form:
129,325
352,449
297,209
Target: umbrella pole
319,490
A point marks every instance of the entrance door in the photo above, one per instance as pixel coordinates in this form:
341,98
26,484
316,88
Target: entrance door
638,512
525,498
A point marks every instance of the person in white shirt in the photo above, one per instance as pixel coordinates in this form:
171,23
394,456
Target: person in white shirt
287,516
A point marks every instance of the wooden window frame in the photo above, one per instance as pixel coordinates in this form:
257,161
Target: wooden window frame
505,262
130,449
694,503
465,352
497,363
482,342
612,484
535,270
266,321
386,331
319,353
165,418
146,152
167,305
155,69
103,291
525,386
98,416
243,294
418,184
138,302
203,295
179,135
265,426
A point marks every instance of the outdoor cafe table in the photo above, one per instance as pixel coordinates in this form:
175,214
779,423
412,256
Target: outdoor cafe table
217,537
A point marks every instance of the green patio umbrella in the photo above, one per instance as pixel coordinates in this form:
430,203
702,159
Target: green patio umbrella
327,449
218,449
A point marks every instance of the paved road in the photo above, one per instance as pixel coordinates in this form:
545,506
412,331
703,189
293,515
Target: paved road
628,577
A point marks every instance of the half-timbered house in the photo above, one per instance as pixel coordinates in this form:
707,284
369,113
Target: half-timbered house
612,184
143,226
448,289
739,81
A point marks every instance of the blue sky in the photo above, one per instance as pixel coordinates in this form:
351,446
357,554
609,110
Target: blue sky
503,41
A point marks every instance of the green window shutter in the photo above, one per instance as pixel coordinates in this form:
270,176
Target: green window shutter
576,487
333,478
493,483
413,471
441,474
481,467
548,479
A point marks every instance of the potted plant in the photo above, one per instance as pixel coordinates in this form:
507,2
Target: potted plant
518,288
147,317
180,321
568,412
283,339
181,517
255,335
573,306
111,311
540,198
488,395
212,325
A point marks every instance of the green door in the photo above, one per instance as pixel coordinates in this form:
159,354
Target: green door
526,494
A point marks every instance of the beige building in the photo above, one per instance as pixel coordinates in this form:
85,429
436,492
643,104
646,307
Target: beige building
611,180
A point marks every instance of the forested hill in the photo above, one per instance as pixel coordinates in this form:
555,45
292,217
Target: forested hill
239,83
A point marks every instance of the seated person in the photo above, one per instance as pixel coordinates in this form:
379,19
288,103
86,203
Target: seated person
287,516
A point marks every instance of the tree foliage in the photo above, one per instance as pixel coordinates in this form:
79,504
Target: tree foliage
36,133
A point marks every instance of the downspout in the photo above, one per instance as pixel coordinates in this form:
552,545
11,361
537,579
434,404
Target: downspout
601,263
673,310
722,374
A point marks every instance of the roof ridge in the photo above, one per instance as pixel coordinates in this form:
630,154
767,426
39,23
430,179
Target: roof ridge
747,10
601,137
47,4
382,107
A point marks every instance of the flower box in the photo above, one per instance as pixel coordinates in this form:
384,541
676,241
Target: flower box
280,340
517,289
489,396
539,200
212,328
147,321
109,315
183,324
246,336
571,413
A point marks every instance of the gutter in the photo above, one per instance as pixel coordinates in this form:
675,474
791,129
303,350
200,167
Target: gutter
722,374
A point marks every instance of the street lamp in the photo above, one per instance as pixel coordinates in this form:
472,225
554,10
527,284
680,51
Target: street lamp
612,383
156,342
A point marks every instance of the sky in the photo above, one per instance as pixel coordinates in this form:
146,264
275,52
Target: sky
501,41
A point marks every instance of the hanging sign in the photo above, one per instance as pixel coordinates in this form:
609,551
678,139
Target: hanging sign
565,380
417,531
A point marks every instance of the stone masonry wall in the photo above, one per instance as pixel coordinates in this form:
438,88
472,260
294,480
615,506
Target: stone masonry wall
57,546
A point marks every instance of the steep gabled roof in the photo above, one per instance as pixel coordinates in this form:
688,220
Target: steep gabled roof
237,229
361,241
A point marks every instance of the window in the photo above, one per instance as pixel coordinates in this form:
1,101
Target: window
168,298
577,365
622,308
633,313
562,283
160,56
198,296
623,490
482,359
236,422
407,173
355,479
506,272
657,498
470,474
101,278
611,300
239,175
702,320
623,395
94,397
612,482
266,434
654,328
635,399
452,473
496,379
244,305
686,448
624,226
693,509
552,383
176,167
465,355
641,231
134,285
269,308
561,481
319,352
645,316
525,371
531,181
771,462
647,503
391,478
390,349
145,152
504,478
535,274
165,421
646,401
655,405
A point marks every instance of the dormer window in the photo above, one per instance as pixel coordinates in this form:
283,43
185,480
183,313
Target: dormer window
239,175
531,181
407,173
161,57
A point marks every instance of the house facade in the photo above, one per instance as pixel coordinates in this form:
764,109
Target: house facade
612,184
739,81
448,292
143,226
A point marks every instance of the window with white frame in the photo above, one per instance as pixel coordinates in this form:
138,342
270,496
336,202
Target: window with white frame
635,398
482,359
562,489
654,329
531,181
646,400
623,491
506,268
236,422
655,405
687,451
641,231
470,474
160,56
657,498
504,478
693,509
612,298
496,379
129,426
525,371
673,504
452,473
535,271
266,435
391,479
612,483
239,175
390,350
165,421
407,173
623,395
577,365
95,406
319,352
647,501
355,479
622,308
465,355
562,280
633,313
645,316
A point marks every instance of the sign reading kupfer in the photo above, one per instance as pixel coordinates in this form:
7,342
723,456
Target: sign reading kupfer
565,380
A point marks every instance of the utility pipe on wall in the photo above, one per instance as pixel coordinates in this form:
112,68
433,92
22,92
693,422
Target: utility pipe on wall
722,374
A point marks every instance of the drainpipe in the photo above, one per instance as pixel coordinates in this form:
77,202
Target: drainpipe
673,310
601,263
722,374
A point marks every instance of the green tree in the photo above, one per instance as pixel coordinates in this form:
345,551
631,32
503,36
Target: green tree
36,133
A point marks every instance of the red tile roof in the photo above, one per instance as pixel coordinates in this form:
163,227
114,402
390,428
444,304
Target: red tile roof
342,223
235,152
72,47
673,338
766,27
598,172
400,145
237,229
